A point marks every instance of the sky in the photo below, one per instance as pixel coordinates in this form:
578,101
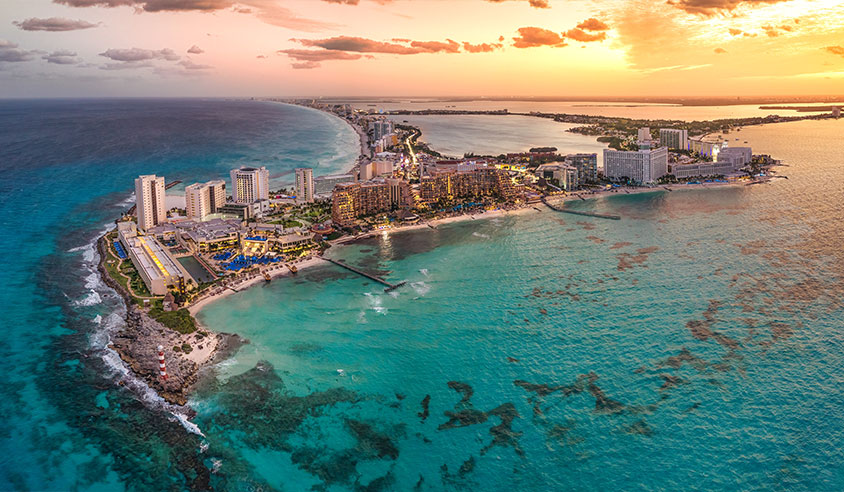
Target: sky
537,48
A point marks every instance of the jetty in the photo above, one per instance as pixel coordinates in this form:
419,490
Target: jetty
380,280
579,212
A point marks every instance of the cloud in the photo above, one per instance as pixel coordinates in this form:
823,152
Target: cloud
10,53
269,11
450,46
364,45
771,31
735,32
305,65
195,50
53,24
583,36
539,4
190,65
713,7
134,55
531,37
319,55
593,24
343,2
719,51
835,50
481,48
62,57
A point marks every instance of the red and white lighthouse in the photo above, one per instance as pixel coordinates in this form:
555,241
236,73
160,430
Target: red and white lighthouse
162,370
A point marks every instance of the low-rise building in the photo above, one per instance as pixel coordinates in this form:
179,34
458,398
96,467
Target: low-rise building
247,211
737,156
212,235
155,265
702,169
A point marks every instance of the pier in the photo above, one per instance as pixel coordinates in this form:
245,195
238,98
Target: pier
367,275
578,212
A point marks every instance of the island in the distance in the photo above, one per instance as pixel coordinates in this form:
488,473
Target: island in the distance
168,264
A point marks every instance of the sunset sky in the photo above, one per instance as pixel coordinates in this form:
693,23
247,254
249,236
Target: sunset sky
420,47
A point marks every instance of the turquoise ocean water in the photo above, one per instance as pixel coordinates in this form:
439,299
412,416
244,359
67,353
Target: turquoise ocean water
695,344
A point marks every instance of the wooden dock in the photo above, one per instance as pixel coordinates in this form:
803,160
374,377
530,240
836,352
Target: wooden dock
380,280
579,212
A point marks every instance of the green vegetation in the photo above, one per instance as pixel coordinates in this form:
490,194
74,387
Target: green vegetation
186,348
287,223
180,321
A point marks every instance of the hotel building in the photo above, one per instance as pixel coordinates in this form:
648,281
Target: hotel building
204,199
250,184
304,184
156,266
353,200
674,138
586,164
642,166
150,204
449,185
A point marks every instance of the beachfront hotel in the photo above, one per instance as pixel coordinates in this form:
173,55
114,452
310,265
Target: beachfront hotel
304,185
250,184
563,176
150,203
645,165
156,266
204,199
353,200
448,184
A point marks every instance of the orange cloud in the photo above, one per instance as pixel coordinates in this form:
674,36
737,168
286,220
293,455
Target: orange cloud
585,37
712,7
481,48
720,51
531,37
539,4
835,50
593,24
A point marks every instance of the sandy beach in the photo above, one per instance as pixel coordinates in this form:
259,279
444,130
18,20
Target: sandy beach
232,287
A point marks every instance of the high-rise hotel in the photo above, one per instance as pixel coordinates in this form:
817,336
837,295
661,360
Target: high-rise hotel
203,199
250,184
304,184
150,204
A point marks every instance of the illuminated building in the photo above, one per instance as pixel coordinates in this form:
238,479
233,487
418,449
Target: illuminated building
353,200
250,184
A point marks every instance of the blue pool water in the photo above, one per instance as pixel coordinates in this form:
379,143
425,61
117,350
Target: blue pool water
695,344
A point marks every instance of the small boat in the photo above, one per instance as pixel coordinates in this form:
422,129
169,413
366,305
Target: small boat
292,269
267,277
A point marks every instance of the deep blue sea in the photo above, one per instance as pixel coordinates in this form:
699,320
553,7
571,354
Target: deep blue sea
696,344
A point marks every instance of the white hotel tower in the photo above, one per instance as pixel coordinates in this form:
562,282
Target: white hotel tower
203,199
250,184
150,204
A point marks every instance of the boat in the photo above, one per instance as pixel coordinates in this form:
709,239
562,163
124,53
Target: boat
292,269
267,277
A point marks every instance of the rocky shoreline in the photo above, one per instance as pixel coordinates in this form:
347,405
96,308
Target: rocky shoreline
137,345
